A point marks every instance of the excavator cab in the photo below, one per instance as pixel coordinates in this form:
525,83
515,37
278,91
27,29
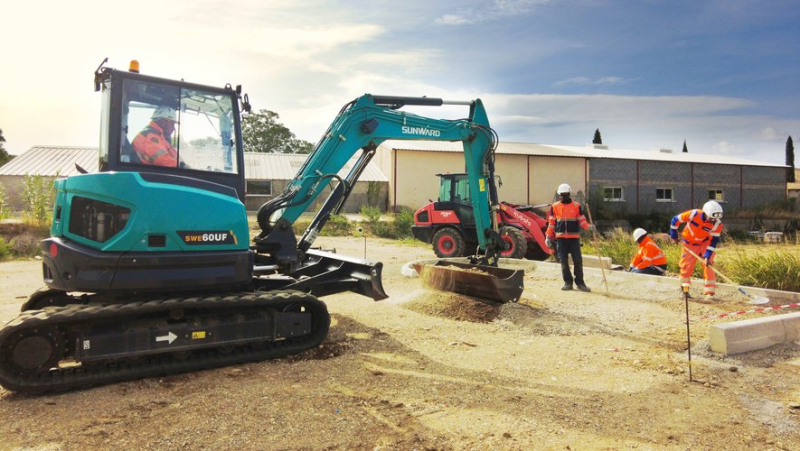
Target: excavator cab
205,135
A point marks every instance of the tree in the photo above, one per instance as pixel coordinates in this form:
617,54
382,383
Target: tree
262,132
4,156
790,160
597,138
685,149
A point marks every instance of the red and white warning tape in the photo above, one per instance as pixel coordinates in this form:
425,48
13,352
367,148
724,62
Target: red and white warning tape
755,310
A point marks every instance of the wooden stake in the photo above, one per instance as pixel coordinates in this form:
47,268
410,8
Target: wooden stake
594,243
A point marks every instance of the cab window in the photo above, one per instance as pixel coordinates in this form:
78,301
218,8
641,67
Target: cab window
169,126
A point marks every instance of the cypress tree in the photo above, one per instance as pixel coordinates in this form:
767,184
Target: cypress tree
685,149
790,160
597,138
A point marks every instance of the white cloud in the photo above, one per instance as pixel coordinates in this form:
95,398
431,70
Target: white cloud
496,10
609,80
453,19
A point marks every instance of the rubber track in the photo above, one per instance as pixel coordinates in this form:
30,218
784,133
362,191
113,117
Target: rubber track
159,364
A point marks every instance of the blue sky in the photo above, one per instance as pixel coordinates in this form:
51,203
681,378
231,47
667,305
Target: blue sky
723,75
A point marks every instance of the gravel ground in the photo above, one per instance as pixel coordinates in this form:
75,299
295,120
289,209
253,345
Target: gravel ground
428,370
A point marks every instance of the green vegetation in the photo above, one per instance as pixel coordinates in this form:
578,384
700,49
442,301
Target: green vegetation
39,193
3,212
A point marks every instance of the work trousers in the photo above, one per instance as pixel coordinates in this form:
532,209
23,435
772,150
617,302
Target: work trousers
652,270
688,262
566,247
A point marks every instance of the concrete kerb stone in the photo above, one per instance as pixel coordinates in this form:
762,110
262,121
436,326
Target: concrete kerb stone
753,334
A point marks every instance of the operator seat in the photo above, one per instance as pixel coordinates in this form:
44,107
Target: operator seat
127,154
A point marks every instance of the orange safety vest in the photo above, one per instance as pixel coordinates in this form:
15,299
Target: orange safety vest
565,220
698,230
649,255
153,148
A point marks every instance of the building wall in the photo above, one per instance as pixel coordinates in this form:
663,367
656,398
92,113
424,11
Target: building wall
763,185
13,186
512,170
654,175
546,173
413,180
742,186
610,173
358,197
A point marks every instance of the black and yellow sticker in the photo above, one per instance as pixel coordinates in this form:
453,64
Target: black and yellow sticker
206,237
199,335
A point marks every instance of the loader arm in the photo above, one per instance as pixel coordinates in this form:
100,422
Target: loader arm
364,124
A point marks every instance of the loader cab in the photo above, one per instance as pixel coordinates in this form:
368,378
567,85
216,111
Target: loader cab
454,195
203,149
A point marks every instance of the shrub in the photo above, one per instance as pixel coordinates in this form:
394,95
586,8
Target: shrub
3,212
38,192
25,245
401,225
372,215
337,225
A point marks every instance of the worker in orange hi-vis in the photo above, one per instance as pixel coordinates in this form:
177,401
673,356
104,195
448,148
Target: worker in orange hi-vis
701,235
650,259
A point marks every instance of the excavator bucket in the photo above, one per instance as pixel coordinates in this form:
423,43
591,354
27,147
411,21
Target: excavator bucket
488,283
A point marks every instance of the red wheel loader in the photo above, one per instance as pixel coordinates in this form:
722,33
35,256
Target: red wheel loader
449,224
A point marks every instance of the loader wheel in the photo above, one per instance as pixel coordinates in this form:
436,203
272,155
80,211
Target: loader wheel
448,243
517,246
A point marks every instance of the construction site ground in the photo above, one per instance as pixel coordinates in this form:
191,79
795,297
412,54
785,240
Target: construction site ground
429,370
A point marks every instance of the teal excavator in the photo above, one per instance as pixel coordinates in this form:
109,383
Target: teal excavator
150,269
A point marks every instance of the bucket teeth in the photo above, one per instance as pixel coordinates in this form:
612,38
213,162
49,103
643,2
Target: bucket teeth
488,283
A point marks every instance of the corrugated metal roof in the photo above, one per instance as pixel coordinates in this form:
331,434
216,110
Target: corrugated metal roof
589,151
283,166
51,161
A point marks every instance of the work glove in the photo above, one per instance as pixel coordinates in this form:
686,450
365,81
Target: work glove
629,269
592,228
550,243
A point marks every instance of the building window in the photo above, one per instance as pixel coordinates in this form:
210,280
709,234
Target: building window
613,194
716,194
664,195
260,187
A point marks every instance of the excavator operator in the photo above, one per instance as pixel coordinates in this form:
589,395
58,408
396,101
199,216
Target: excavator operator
152,145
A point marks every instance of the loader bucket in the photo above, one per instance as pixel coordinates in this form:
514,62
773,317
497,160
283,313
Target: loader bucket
488,283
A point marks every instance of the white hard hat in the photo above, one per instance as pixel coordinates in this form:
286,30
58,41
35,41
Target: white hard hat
638,233
563,188
165,112
713,210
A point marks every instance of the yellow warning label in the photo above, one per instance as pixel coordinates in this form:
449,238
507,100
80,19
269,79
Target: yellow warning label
482,184
199,335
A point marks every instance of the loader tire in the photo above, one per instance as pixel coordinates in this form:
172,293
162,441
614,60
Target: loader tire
517,246
448,243
536,253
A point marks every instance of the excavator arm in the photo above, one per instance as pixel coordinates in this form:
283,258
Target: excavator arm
362,125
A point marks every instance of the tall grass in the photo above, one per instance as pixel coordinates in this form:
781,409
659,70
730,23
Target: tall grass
3,208
775,269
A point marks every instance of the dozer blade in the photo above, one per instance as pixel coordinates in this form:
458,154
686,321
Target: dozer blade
488,283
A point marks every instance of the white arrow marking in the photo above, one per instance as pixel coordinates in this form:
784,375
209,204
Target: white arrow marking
168,338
